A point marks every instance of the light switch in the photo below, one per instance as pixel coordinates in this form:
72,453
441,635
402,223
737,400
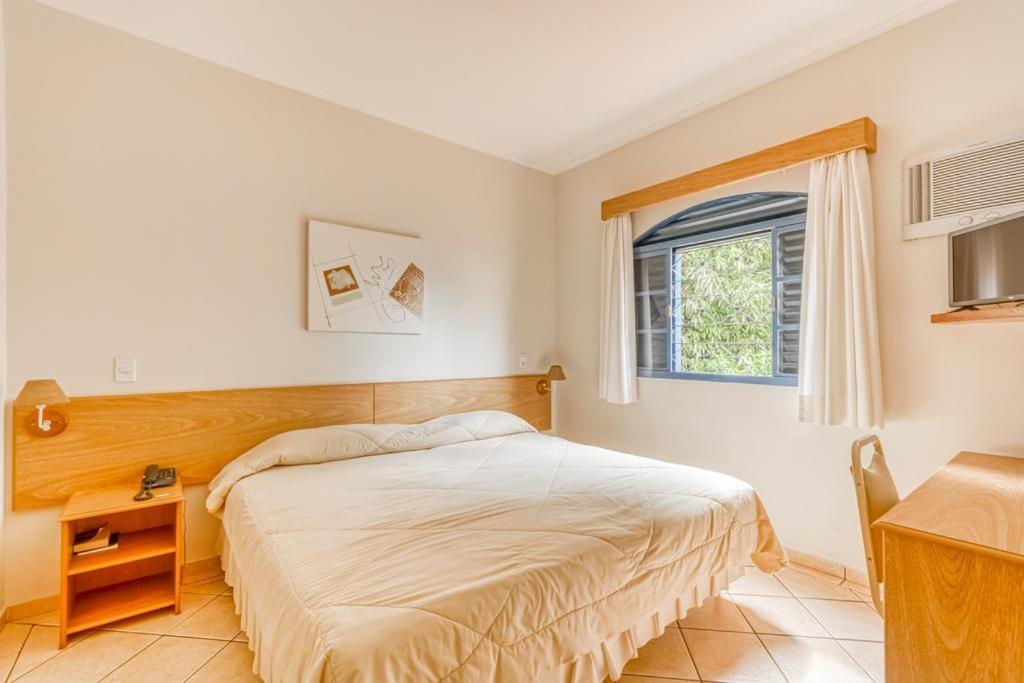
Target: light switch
124,369
523,361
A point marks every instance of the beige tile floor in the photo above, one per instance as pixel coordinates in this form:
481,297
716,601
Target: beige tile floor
794,627
797,626
204,643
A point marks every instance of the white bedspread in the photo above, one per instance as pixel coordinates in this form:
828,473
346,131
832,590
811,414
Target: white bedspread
471,549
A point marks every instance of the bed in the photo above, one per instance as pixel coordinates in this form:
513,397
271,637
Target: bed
470,548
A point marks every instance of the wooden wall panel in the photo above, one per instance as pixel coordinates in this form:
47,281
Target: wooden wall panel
111,439
401,402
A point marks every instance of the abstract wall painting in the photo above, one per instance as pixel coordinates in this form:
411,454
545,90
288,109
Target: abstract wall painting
364,280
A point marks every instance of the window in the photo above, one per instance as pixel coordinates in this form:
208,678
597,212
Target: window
718,290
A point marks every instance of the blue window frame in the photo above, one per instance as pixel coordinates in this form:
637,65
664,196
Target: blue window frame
717,291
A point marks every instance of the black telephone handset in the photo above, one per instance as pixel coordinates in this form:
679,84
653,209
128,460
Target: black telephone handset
155,477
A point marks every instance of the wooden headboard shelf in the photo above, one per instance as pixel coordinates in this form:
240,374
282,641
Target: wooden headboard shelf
414,402
110,439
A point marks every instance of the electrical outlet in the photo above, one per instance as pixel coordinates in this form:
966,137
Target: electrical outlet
124,369
523,361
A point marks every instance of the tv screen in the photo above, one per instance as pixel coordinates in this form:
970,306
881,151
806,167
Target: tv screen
987,263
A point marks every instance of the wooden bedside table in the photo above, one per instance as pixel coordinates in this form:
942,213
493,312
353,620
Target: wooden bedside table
142,574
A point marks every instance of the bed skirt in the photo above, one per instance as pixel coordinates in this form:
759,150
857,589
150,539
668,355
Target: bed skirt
605,660
608,658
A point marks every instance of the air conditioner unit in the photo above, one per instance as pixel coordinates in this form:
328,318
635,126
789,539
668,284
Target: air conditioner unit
963,186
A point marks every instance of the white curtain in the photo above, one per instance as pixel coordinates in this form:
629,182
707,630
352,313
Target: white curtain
840,379
617,382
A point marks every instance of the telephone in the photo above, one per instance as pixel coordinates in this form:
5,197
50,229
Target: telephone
155,477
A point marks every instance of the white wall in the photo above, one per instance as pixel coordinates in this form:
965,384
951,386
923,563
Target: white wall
158,209
3,283
951,77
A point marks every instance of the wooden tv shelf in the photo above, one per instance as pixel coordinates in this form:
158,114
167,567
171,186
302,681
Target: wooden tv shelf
142,574
1003,314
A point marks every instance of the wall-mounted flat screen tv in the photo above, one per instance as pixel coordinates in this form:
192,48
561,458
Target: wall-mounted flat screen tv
986,263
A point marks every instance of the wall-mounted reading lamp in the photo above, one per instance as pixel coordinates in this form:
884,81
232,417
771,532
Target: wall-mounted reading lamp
555,374
38,394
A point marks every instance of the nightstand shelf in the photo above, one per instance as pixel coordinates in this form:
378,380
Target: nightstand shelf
122,600
132,546
142,574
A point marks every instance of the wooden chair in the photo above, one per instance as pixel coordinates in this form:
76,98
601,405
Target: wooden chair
876,494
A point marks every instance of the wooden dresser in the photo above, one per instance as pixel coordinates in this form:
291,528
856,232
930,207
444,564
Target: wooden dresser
954,574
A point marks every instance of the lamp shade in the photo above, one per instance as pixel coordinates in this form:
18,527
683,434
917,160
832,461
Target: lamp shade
555,373
37,392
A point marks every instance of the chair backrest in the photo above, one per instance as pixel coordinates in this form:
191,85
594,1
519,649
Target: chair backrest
876,494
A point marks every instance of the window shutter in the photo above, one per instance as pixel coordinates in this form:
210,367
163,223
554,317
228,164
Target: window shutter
789,302
789,352
651,287
789,250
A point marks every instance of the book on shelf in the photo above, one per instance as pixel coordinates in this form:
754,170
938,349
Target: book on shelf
110,546
95,540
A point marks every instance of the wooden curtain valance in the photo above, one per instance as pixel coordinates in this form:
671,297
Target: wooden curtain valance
858,134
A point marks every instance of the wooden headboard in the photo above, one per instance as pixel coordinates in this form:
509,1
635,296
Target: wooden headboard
110,439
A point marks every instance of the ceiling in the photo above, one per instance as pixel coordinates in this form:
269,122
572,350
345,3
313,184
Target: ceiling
546,83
